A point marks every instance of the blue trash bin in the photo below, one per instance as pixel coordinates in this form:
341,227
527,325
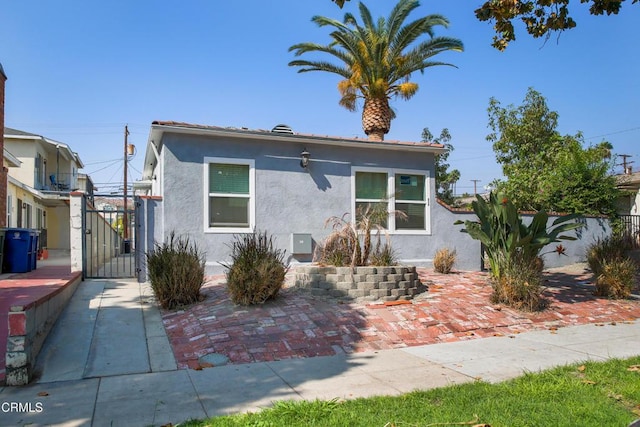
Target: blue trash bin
17,250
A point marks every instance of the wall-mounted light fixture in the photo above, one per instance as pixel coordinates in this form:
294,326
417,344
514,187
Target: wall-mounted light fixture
24,206
304,159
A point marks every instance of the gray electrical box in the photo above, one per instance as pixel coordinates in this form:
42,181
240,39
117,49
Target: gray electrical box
301,243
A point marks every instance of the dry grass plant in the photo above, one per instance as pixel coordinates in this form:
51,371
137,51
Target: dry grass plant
257,270
176,272
613,270
444,260
349,243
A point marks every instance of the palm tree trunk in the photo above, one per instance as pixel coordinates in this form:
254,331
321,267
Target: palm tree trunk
376,118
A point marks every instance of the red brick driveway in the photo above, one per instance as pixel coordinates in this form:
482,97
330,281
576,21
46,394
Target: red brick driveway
456,307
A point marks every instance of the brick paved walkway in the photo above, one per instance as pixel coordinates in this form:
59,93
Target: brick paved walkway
456,307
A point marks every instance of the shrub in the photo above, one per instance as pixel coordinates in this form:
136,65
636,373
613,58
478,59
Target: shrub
257,270
617,278
384,255
444,260
513,248
614,272
520,285
614,246
349,243
176,272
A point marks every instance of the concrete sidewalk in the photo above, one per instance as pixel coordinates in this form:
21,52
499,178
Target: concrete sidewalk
108,362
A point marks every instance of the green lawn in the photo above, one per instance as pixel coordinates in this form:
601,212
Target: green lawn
592,394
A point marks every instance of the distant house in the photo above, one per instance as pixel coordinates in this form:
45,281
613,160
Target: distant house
39,185
629,203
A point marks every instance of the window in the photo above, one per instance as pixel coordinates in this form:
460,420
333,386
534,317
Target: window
29,216
19,216
410,199
230,200
400,191
371,190
9,210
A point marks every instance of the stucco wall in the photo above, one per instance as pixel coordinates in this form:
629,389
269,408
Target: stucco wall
289,199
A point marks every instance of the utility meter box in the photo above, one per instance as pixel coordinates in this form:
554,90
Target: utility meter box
301,244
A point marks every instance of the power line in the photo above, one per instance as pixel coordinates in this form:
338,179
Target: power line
113,162
614,133
104,161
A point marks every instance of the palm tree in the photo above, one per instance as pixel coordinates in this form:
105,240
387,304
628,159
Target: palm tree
377,60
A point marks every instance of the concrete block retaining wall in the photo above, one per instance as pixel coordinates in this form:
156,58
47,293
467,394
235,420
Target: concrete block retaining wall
369,283
29,326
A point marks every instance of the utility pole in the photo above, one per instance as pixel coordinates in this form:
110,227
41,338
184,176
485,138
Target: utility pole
475,182
124,216
625,164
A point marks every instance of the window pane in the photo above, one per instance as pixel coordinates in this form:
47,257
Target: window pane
230,179
377,212
228,212
409,187
370,185
414,216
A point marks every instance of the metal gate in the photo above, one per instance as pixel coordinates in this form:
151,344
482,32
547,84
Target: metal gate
631,228
109,237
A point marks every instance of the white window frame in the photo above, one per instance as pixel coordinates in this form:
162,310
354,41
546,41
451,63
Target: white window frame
9,210
207,195
391,174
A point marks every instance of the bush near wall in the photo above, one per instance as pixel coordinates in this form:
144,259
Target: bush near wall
176,271
257,270
613,269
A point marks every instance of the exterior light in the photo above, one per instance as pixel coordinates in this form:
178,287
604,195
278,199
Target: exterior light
304,159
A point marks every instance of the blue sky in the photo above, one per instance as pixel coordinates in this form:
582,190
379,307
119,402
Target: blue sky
79,71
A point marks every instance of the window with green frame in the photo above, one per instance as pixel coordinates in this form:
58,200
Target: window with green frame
229,195
371,193
410,198
396,191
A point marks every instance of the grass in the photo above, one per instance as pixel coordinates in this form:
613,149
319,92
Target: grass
591,394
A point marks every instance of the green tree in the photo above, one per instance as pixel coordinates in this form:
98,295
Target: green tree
540,17
545,170
445,179
377,59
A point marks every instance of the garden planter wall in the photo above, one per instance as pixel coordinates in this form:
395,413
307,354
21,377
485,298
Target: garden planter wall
368,283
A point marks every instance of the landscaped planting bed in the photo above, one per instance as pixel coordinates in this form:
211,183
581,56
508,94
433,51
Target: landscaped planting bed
388,283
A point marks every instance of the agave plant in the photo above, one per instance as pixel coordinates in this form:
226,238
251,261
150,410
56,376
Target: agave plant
503,234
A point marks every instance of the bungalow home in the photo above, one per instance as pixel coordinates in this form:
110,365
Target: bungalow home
210,183
39,184
215,182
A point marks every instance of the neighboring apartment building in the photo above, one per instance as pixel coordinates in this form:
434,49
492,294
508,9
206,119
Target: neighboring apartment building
38,188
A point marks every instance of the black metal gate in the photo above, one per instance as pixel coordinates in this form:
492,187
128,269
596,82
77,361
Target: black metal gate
109,237
631,228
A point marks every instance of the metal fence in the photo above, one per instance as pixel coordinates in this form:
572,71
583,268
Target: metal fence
108,249
631,228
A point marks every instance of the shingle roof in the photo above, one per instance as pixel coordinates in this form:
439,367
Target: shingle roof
16,132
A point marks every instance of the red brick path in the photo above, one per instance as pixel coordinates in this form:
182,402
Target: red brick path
295,325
